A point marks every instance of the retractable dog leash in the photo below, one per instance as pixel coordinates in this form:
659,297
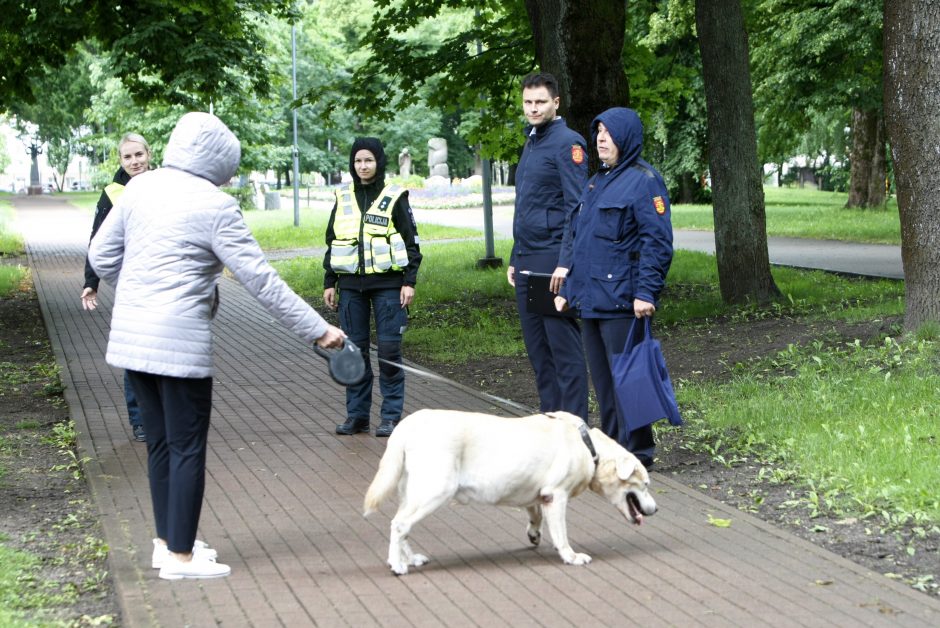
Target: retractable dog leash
346,364
347,367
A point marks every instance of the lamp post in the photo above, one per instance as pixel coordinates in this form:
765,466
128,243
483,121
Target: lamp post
490,261
295,148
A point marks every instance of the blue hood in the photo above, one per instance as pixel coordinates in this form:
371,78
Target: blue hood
626,130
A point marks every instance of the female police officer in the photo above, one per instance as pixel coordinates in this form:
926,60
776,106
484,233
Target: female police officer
621,253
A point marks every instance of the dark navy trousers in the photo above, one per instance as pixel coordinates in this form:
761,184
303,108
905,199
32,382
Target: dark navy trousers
175,413
355,312
553,344
604,337
133,411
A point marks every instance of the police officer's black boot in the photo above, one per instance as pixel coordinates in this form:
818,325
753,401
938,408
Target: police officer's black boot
353,426
385,428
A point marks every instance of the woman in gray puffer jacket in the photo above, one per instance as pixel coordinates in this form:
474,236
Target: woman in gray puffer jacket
164,245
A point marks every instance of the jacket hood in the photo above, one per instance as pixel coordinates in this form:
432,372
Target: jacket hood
625,129
121,176
202,145
374,146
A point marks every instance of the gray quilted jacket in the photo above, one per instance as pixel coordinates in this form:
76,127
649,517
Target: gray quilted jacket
164,246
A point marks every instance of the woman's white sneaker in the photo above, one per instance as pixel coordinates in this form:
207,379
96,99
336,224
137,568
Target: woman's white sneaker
161,551
175,569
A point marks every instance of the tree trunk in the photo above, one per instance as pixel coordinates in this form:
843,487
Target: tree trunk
737,190
912,114
879,172
688,188
864,131
589,82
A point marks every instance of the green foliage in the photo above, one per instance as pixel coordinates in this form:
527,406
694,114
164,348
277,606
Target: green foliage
189,52
662,63
11,279
428,50
15,569
55,119
854,415
813,61
245,196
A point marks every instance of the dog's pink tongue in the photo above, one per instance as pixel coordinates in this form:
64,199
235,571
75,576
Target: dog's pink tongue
638,519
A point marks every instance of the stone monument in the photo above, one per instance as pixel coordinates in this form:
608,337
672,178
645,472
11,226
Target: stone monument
404,163
437,157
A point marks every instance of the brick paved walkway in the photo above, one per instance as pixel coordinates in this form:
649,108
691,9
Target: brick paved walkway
284,496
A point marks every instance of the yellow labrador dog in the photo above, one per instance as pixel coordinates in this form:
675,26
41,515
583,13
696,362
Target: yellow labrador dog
536,462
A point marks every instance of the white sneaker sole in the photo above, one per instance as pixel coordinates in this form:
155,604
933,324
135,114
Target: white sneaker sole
180,576
201,549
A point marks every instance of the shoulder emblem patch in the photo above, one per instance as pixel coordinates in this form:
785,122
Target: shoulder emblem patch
577,154
659,204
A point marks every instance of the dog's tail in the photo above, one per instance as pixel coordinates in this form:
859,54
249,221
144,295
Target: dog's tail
386,478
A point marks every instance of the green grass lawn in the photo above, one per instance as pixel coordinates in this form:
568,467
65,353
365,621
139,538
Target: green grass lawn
11,242
858,424
791,212
275,229
808,213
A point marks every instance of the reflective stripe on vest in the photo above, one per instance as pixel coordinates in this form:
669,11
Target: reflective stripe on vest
383,248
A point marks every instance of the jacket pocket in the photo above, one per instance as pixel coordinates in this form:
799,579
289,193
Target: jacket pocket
612,288
344,256
610,223
381,254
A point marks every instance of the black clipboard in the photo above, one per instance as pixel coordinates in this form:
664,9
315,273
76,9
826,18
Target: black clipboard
539,297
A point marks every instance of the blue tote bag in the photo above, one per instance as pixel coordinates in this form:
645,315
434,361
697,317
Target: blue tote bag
641,380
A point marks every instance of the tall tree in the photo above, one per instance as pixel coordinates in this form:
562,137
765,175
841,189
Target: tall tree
58,117
590,77
912,111
474,64
665,76
812,57
163,49
737,189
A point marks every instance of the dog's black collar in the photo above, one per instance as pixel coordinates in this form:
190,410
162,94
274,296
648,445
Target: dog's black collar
586,437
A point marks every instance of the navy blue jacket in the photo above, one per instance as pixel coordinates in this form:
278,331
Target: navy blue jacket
622,233
549,179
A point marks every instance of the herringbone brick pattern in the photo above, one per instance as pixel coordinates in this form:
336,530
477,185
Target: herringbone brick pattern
284,495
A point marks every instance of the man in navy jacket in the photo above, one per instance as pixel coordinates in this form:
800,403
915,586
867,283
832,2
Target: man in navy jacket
549,180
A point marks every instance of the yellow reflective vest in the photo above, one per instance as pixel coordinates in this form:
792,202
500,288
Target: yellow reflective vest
114,191
383,248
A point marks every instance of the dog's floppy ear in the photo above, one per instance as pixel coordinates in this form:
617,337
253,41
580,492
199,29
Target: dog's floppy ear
626,467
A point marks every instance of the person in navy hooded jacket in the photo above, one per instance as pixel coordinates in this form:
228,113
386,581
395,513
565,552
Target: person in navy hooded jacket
621,252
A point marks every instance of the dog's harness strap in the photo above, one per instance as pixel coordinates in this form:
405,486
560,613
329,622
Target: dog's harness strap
586,437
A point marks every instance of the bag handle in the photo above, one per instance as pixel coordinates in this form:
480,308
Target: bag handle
637,333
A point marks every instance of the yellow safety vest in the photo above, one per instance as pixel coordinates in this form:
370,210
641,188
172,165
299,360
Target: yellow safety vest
114,191
383,248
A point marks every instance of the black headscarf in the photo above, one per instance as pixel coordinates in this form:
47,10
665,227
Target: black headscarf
374,146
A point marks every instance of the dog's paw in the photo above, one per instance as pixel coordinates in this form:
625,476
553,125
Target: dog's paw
399,569
577,559
419,559
535,536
